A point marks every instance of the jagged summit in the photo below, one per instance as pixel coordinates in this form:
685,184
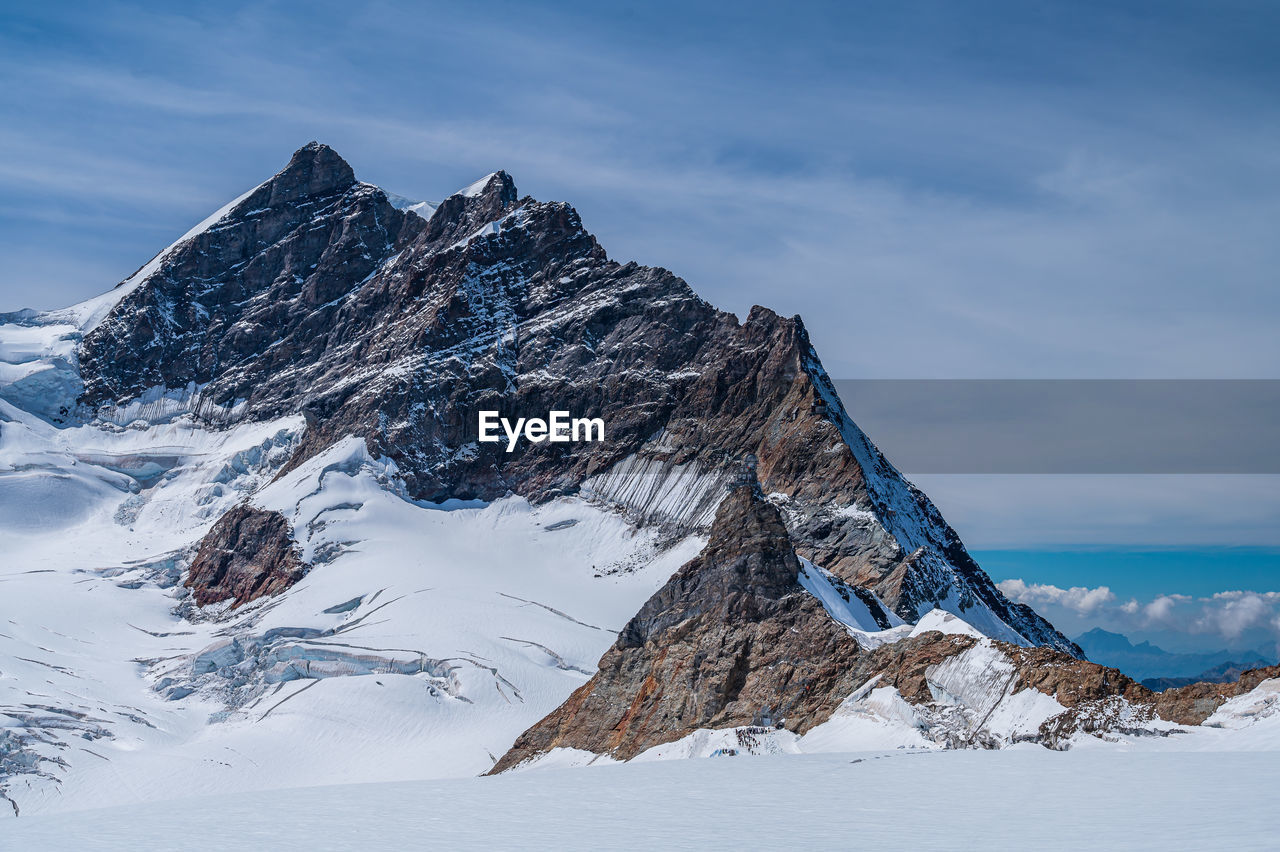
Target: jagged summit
223,295
497,183
315,169
484,202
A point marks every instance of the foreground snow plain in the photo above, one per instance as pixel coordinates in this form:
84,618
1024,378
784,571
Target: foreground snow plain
1021,798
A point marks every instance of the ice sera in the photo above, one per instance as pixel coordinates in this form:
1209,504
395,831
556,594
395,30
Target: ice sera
558,428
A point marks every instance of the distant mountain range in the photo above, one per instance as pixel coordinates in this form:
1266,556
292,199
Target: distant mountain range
1159,669
1225,673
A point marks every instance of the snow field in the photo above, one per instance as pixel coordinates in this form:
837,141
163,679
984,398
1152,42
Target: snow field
1022,798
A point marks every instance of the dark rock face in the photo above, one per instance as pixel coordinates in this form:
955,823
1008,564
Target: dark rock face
315,296
249,553
731,639
272,269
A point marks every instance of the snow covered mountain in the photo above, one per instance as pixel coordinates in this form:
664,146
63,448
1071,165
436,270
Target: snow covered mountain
252,539
314,295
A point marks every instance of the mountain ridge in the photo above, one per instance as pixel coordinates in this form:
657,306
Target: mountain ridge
371,321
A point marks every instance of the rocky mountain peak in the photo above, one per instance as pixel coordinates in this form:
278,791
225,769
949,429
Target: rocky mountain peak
376,323
461,214
281,257
314,169
748,564
498,186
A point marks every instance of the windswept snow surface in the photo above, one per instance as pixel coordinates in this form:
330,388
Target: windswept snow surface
1025,798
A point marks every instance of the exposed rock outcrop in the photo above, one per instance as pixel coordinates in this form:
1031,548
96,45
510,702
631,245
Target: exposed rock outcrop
1073,682
249,553
733,642
731,639
1097,699
1191,705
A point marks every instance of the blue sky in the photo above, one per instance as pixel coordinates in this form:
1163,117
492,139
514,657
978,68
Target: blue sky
943,190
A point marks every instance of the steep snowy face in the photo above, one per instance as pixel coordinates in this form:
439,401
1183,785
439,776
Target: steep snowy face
316,295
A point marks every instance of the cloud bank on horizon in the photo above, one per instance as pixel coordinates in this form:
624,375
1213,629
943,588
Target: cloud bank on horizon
1235,619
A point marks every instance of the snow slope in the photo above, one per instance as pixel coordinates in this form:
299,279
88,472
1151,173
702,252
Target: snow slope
425,639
